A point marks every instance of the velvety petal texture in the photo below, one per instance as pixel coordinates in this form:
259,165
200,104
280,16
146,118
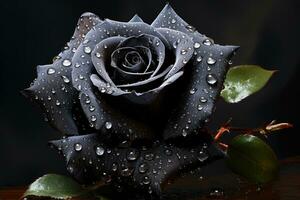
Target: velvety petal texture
91,159
134,100
208,70
53,89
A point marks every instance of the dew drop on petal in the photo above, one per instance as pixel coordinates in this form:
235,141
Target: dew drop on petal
199,59
173,21
132,155
193,90
114,167
211,79
98,55
196,45
66,63
203,100
87,50
65,79
108,125
168,152
199,107
91,108
183,51
149,156
57,103
93,118
143,168
190,28
50,71
146,180
102,90
211,61
99,150
184,133
77,147
207,42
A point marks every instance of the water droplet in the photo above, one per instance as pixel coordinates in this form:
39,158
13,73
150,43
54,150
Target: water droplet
87,100
98,55
184,61
105,46
93,118
143,168
78,147
126,171
50,71
77,65
114,167
190,28
196,45
199,107
175,44
56,58
184,133
146,180
207,42
85,41
87,50
157,43
202,156
173,21
102,90
91,108
149,156
183,51
211,79
66,63
65,79
99,150
57,103
199,59
132,155
108,125
203,100
168,152
230,62
211,61
193,90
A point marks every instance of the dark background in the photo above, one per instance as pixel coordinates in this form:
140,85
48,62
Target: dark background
32,32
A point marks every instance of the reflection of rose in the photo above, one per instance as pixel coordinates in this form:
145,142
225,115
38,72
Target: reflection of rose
111,69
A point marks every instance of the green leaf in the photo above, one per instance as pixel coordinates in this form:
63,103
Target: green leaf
244,80
54,186
252,158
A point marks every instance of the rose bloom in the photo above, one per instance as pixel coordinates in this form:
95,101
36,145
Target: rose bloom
128,94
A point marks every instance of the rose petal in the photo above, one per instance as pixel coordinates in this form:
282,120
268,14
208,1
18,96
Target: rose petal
52,89
169,19
210,64
91,159
119,59
110,122
183,50
153,43
201,91
136,18
147,81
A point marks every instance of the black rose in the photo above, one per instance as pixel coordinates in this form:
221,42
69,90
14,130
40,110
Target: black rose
117,83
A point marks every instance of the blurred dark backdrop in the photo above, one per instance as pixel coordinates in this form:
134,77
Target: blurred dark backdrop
32,32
